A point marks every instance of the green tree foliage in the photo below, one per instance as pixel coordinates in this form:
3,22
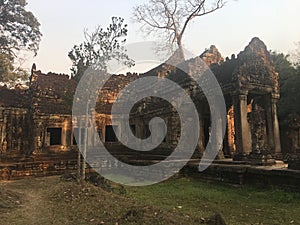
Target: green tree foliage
99,47
283,66
290,97
289,80
9,73
6,66
19,30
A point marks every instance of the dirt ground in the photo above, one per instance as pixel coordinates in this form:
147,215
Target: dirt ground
54,201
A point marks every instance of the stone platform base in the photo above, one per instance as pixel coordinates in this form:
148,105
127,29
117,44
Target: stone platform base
294,165
37,166
259,159
230,172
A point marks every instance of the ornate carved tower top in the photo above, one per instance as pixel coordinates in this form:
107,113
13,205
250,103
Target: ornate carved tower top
255,68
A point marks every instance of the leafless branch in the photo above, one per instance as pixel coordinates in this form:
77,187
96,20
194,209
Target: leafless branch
170,18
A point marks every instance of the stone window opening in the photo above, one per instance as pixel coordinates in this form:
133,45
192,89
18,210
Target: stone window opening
110,135
55,136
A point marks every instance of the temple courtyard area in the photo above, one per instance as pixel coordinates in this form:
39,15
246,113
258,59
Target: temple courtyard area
179,200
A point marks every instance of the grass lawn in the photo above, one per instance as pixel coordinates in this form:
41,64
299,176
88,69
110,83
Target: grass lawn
238,205
51,200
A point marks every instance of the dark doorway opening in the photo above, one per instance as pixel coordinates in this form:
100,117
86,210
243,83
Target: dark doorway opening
110,135
133,129
55,135
147,131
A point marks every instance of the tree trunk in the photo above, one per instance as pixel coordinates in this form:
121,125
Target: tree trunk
79,153
181,51
85,142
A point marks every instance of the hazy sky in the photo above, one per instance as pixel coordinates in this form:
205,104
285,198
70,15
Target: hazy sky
276,22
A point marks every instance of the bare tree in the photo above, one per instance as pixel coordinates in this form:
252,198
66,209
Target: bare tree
168,19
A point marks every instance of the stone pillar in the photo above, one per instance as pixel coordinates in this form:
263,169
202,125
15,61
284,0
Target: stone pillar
269,120
241,125
3,138
90,137
272,124
25,135
19,130
9,131
277,144
4,127
69,134
103,129
217,137
38,129
201,140
139,128
230,132
122,127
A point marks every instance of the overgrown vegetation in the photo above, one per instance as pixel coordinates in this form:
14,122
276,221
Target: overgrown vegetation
289,81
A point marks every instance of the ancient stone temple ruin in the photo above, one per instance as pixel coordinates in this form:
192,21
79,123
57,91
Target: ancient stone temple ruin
250,88
38,120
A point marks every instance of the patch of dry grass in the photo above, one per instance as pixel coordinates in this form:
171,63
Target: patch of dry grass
238,205
54,201
9,199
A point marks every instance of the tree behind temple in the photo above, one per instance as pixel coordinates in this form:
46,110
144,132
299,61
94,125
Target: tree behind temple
168,19
289,81
9,73
99,47
19,31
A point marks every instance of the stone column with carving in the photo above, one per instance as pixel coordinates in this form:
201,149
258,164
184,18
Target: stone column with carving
241,125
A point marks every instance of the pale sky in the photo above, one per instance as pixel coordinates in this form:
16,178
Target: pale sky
276,22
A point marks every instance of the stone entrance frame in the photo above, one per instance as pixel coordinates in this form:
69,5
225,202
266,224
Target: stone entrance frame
255,84
247,80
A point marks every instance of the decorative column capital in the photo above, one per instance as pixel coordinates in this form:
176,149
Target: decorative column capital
239,93
274,100
275,96
243,97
